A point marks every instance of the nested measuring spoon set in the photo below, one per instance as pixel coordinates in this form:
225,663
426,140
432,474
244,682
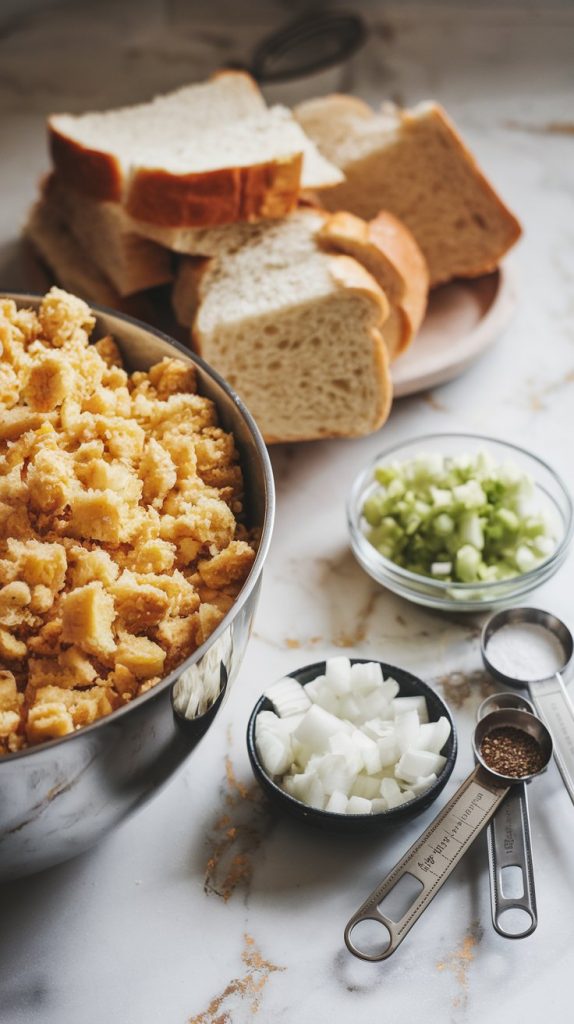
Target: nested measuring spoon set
513,742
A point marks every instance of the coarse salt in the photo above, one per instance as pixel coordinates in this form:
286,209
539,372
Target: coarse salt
525,651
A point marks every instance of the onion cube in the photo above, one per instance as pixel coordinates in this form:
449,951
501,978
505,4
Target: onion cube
337,803
366,786
316,728
350,708
366,676
288,697
433,735
371,759
400,705
388,748
325,698
358,805
268,720
376,728
369,751
298,785
316,794
335,773
390,689
343,744
275,752
423,783
374,704
390,793
338,675
407,728
378,805
406,795
415,763
312,688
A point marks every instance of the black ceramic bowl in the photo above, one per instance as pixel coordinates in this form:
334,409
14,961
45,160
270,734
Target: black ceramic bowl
357,824
60,797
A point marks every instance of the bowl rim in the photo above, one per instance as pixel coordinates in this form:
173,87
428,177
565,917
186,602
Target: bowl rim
262,550
439,587
324,815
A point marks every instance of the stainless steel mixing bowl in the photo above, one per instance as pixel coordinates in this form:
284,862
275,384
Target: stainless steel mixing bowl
61,797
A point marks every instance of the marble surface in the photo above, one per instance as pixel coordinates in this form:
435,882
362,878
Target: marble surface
205,908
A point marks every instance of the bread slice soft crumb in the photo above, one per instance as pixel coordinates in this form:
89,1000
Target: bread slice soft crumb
414,164
298,337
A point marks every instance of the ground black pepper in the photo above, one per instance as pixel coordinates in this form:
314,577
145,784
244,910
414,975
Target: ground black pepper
512,752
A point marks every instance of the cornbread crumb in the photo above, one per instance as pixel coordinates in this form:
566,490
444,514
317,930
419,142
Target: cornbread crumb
142,657
120,544
87,616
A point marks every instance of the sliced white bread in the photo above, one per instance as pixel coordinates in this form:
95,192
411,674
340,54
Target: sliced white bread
130,262
385,248
296,331
414,164
94,151
207,154
69,266
63,255
246,253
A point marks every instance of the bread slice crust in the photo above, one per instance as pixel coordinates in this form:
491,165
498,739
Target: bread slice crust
217,197
388,251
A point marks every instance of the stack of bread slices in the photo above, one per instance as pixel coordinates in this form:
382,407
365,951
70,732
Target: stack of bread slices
297,247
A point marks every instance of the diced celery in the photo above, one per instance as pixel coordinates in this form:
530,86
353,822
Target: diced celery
441,497
471,531
373,508
467,563
396,488
507,519
443,524
441,568
470,494
460,518
525,559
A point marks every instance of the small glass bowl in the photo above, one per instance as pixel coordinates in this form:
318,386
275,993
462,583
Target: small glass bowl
356,824
463,597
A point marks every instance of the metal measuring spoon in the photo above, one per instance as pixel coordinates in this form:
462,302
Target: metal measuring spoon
433,857
508,838
548,695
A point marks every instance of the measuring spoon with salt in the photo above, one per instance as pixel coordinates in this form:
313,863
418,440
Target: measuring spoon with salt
510,845
527,647
433,857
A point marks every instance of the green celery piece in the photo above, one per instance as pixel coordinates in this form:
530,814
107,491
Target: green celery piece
467,563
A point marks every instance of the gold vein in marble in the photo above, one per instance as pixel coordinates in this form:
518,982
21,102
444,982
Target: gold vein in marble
460,961
243,992
243,823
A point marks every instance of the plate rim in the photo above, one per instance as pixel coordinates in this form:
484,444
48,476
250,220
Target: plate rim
486,332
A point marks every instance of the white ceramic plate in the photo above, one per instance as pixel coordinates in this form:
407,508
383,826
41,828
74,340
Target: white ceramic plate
463,319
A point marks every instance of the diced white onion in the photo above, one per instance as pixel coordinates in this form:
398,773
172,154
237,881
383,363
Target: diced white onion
347,743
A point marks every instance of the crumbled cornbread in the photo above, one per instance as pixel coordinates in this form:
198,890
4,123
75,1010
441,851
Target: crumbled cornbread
121,547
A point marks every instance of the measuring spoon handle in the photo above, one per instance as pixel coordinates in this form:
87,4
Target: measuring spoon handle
555,708
509,845
430,860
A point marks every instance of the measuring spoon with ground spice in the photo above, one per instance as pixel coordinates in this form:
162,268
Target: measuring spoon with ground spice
510,746
514,908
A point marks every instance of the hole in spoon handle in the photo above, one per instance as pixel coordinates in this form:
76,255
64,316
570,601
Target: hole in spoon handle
430,861
556,710
509,849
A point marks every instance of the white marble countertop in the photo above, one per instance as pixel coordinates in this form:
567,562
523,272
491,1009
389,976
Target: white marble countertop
204,908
